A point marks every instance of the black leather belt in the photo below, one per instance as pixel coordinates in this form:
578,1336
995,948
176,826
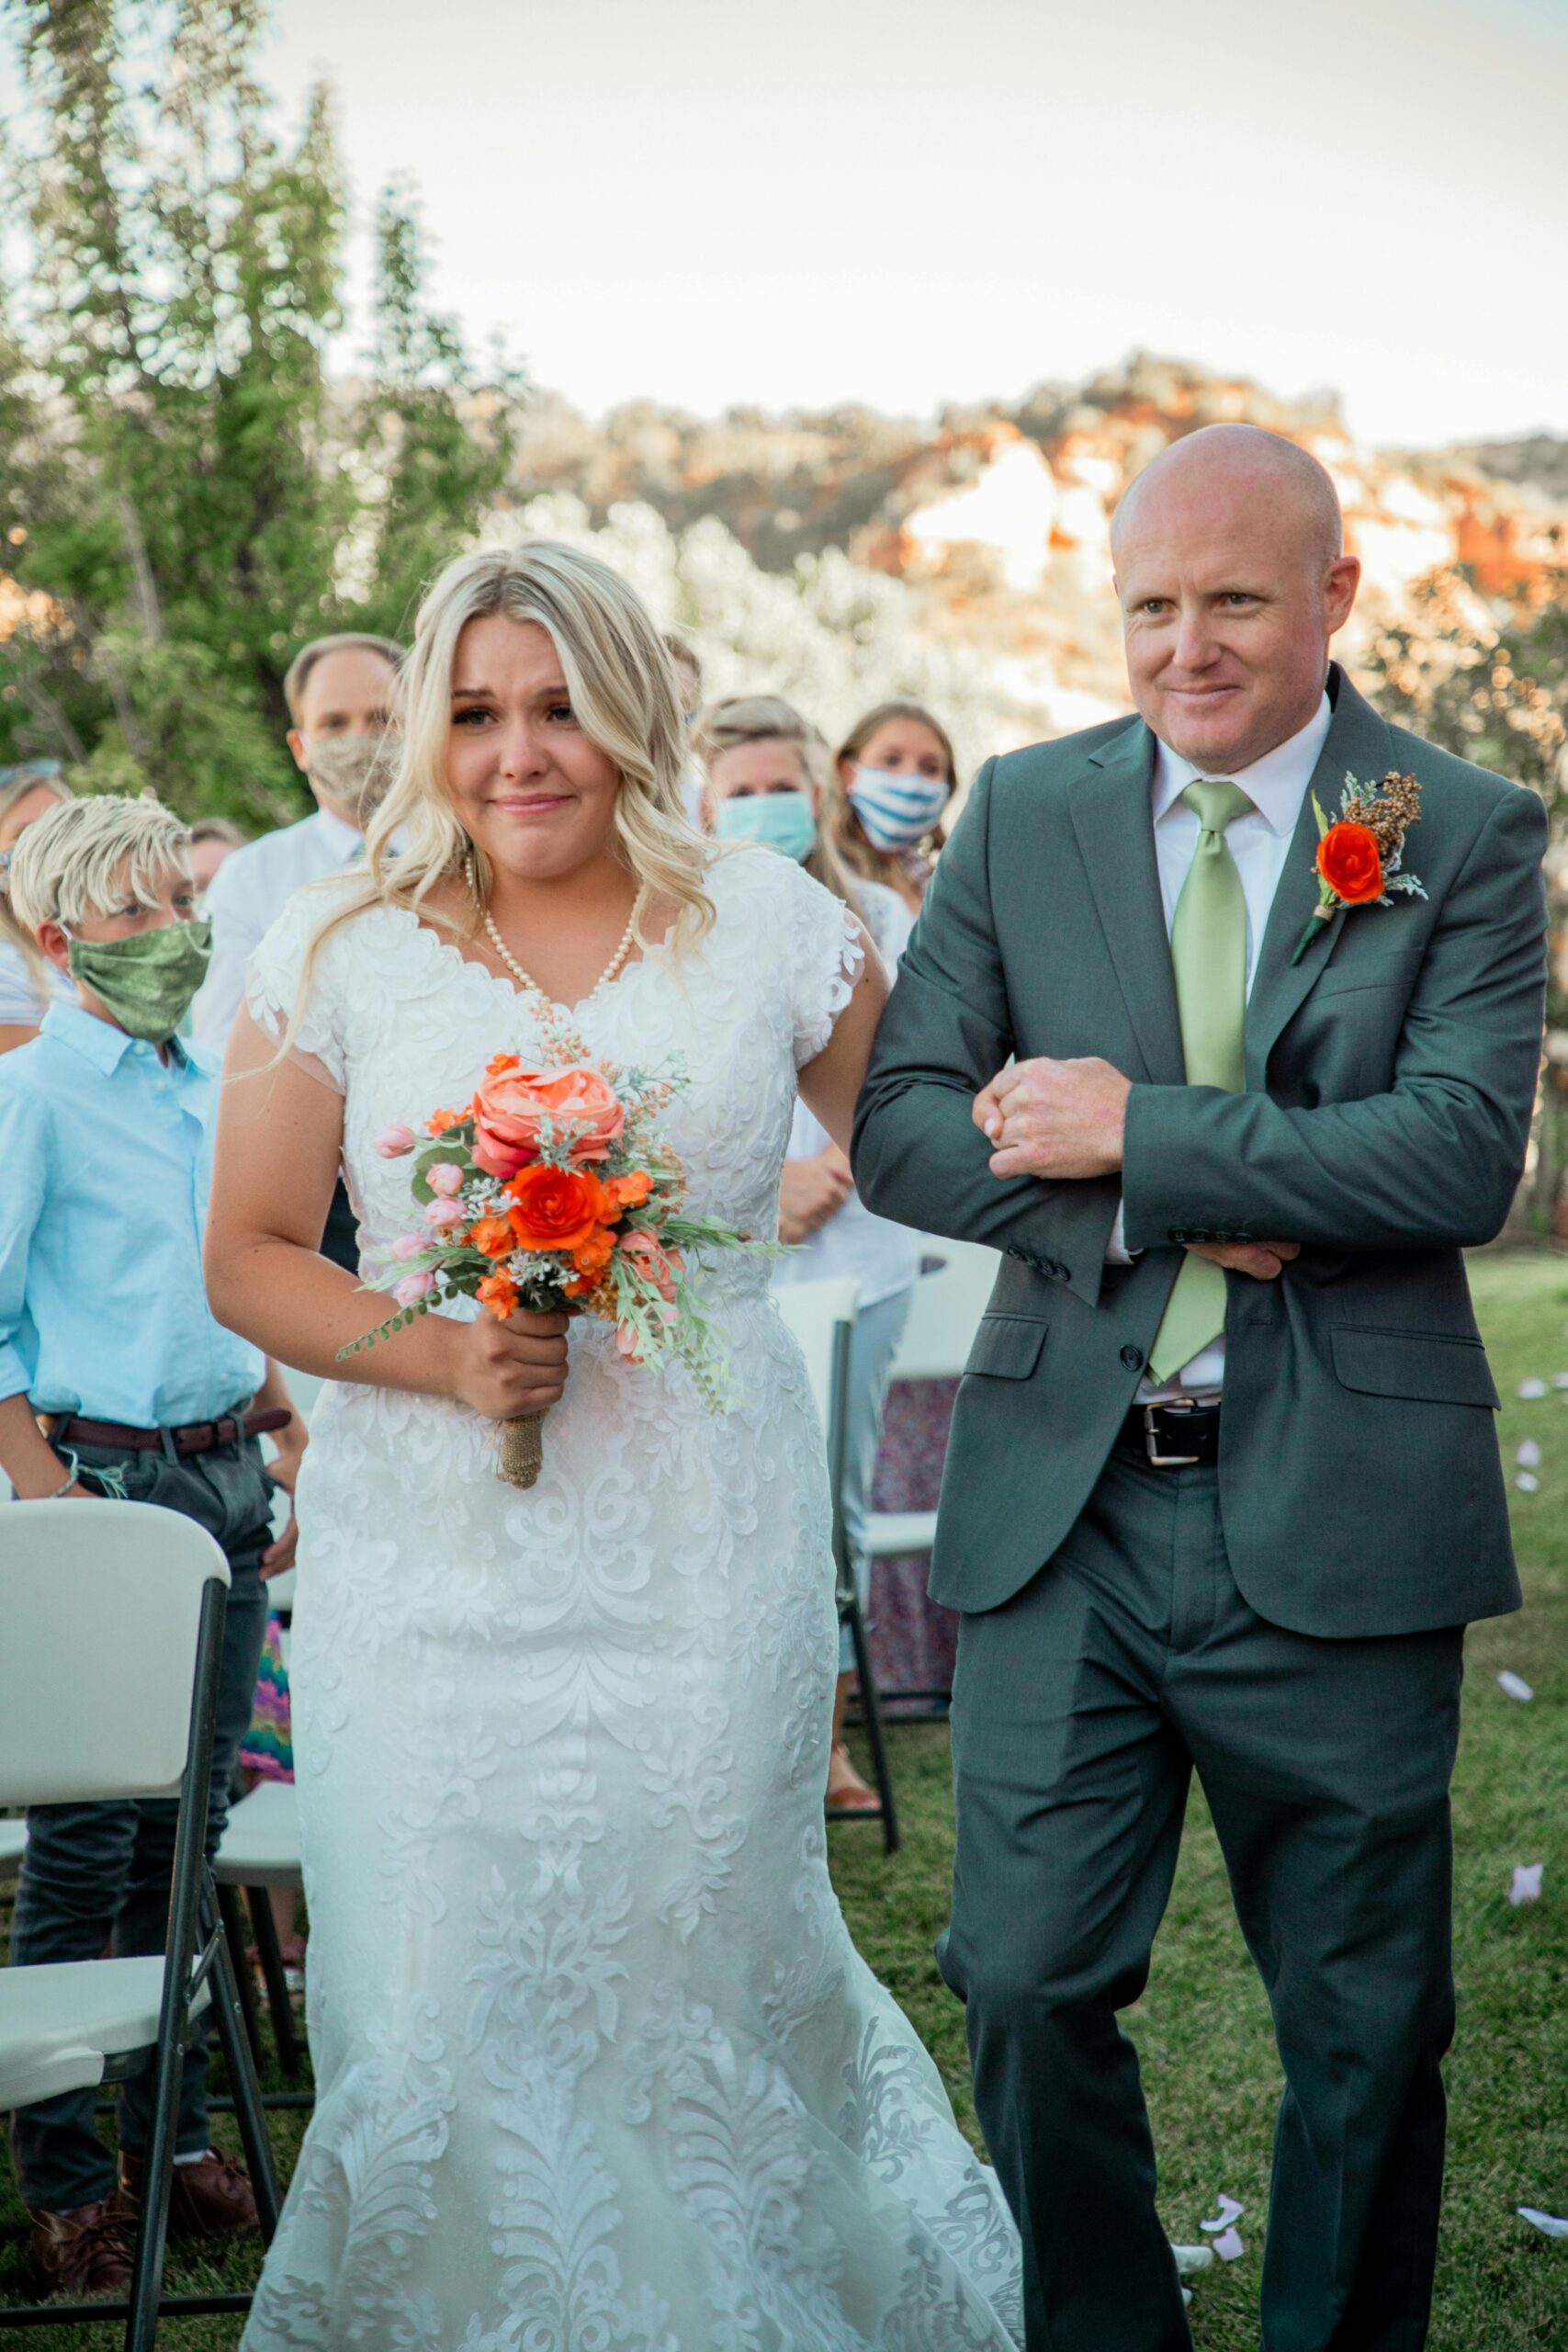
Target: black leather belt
1177,1436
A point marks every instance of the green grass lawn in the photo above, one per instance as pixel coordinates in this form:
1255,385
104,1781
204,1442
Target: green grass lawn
1202,2027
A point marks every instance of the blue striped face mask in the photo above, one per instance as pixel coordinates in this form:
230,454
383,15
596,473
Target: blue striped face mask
897,810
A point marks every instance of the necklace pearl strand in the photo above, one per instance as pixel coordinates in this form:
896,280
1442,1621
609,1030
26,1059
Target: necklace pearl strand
525,981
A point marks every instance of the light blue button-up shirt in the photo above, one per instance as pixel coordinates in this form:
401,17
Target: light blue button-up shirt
105,1159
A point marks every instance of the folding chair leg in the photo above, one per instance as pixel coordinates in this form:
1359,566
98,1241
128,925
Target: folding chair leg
871,1708
229,2018
233,1920
279,2006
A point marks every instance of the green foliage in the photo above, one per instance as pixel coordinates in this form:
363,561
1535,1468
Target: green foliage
185,495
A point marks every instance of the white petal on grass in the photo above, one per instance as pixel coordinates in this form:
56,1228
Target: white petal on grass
1526,1887
1229,2247
1528,1454
1527,1482
1193,2257
1531,1389
1551,2225
1231,2210
1560,1380
1514,1684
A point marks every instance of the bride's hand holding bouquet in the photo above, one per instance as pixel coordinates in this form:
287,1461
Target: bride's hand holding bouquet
551,1193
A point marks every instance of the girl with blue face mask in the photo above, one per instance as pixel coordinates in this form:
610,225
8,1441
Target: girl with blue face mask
894,775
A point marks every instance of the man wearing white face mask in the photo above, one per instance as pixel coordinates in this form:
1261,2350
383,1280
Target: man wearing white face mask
340,693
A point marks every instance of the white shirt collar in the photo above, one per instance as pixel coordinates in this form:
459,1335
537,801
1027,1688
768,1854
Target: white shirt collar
345,840
1276,784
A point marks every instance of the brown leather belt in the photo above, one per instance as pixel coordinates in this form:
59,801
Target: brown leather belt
195,1437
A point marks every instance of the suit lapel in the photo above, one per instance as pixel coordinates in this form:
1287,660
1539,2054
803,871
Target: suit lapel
1112,816
1358,742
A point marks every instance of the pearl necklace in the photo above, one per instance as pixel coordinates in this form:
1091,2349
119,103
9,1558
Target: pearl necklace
525,981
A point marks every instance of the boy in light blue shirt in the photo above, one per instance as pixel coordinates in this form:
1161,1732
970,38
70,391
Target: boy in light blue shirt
116,1379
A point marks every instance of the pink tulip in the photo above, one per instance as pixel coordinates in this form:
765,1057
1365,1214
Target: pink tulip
626,1340
409,1244
413,1288
393,1141
443,1214
445,1179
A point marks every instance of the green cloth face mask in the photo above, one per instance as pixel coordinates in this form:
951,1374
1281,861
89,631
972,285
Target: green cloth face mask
146,982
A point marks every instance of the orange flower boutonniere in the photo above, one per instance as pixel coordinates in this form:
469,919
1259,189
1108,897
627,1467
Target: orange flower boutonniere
1360,856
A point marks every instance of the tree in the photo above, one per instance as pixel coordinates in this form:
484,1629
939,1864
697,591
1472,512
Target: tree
181,487
1494,688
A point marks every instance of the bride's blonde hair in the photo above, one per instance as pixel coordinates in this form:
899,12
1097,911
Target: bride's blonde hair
623,692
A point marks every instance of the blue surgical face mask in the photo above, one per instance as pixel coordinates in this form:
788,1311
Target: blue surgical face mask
897,809
783,820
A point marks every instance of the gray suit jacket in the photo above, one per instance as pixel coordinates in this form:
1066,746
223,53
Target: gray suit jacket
1390,1078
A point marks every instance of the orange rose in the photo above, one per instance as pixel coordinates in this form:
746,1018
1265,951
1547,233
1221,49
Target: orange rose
1350,863
555,1208
499,1293
630,1191
512,1103
493,1236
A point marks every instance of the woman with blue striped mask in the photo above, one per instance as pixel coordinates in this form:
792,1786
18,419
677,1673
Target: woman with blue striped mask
892,782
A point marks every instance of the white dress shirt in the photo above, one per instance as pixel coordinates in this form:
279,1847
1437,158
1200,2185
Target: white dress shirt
1276,784
248,893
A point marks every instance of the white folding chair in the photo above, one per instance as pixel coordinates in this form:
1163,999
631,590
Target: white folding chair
261,1851
822,1316
109,1689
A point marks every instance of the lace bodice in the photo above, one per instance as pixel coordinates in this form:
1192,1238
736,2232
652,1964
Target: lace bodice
401,1023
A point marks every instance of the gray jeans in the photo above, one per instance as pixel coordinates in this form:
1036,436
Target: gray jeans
94,1874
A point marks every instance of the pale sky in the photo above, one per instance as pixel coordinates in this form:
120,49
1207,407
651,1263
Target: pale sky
784,202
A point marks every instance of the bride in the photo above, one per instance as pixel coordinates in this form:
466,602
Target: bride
599,2069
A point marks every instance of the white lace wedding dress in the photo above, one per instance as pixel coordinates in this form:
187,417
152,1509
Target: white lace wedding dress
598,2065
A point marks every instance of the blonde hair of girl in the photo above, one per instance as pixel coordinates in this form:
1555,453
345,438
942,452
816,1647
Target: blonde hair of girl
622,686
724,726
839,822
16,786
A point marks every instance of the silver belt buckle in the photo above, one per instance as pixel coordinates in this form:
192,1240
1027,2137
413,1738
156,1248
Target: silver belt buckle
1151,1444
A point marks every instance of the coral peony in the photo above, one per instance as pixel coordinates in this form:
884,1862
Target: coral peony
511,1105
663,1266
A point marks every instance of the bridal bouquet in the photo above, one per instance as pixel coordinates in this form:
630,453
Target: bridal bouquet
553,1189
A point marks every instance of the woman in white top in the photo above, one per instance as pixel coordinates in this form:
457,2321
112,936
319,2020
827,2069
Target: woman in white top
757,749
28,982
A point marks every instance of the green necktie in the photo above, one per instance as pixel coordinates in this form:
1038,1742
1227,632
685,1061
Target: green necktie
1208,950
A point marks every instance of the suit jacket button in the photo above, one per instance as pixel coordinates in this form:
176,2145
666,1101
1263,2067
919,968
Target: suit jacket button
1133,1358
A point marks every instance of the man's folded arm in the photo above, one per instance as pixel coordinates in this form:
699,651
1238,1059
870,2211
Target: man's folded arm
916,1154
1432,1163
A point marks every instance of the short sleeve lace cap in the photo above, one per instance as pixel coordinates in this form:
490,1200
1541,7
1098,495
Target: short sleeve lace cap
277,969
826,955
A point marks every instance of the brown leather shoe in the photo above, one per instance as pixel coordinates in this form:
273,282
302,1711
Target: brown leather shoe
210,2199
85,2251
